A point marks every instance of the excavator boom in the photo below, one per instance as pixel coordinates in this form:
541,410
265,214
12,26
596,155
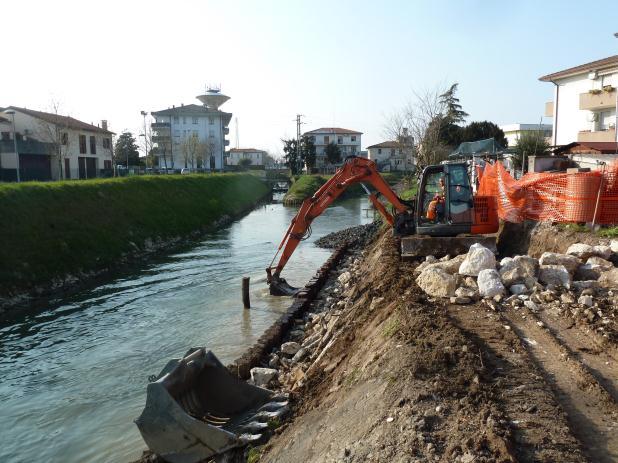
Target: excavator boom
354,170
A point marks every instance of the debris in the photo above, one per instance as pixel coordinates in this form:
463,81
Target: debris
570,263
436,282
557,275
262,376
290,348
489,283
478,258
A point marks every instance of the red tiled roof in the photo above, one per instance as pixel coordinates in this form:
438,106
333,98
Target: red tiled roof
592,66
64,121
386,144
604,147
335,130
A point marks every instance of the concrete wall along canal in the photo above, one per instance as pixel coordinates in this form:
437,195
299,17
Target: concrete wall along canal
274,335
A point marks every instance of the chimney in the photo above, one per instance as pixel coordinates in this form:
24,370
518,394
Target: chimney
104,124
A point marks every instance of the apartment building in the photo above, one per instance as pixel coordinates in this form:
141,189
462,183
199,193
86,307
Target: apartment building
52,147
584,104
192,135
513,132
348,141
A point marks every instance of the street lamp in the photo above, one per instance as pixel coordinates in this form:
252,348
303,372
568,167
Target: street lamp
144,114
12,114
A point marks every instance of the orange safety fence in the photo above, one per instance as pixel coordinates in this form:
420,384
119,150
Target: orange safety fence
555,197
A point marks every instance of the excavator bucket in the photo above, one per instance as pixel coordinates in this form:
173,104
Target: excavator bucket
196,409
413,247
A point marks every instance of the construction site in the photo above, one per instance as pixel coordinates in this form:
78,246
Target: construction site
472,324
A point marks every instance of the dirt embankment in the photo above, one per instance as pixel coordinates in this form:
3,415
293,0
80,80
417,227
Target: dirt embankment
413,379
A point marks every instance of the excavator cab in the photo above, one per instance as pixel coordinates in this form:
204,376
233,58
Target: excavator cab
445,204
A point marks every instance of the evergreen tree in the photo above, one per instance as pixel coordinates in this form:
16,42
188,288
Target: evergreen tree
333,153
475,131
126,148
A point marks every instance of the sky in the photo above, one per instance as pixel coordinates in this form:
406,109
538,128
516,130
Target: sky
340,63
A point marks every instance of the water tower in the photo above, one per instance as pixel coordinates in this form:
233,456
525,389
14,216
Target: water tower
213,98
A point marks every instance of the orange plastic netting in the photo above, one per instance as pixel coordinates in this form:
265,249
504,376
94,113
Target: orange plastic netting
558,197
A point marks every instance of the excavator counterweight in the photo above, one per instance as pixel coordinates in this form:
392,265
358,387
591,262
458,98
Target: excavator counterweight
444,207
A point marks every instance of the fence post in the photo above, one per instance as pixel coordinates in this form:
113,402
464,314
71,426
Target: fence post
245,293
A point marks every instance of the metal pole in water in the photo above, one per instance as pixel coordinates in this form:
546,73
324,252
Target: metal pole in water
245,293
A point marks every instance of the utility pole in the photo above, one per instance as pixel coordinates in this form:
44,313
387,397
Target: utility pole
236,120
298,157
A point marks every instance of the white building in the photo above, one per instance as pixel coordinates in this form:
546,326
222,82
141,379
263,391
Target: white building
584,104
512,132
348,141
390,156
192,135
258,158
52,146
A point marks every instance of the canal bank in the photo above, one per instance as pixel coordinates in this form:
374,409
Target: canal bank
74,375
58,236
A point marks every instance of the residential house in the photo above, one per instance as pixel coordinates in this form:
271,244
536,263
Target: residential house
52,146
192,135
394,155
348,141
513,132
590,154
258,158
584,104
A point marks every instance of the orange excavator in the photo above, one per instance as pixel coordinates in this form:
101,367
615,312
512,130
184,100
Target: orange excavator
443,209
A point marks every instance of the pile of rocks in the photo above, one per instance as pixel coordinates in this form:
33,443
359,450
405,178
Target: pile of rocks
357,236
582,279
312,335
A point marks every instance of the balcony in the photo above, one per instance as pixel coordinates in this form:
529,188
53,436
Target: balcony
549,109
603,100
160,125
600,135
226,130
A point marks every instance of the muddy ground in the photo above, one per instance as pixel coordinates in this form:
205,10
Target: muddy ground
412,379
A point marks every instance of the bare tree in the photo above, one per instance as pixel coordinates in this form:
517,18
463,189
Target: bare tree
203,152
190,147
423,117
55,133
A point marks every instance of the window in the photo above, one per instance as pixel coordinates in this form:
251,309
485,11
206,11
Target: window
353,149
326,139
211,120
93,144
82,144
379,150
6,136
339,140
107,143
211,134
176,119
353,138
64,138
184,120
195,120
392,152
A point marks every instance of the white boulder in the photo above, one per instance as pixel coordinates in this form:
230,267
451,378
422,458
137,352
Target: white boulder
584,251
613,245
586,300
597,262
489,283
437,282
556,275
466,292
262,376
551,258
478,258
344,277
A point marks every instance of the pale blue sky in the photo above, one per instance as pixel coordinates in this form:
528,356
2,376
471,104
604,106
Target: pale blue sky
341,63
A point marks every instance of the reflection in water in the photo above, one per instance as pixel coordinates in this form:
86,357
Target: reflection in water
73,376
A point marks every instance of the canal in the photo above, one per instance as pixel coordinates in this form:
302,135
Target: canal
73,375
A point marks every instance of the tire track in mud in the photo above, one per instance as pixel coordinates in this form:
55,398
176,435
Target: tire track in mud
539,425
592,412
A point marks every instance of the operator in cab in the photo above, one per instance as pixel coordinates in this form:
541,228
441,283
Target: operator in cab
435,209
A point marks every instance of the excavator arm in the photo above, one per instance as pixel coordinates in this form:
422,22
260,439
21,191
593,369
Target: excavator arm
354,170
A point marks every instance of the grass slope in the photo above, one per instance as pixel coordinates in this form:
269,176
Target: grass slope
52,229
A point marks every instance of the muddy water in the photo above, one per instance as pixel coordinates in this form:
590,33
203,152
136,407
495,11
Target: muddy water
73,376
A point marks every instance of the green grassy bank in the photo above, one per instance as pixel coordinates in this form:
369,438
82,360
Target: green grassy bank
306,185
53,229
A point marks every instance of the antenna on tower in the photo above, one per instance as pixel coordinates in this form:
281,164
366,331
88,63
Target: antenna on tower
237,137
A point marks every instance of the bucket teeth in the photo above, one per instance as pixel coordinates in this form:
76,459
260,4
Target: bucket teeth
272,406
254,427
251,438
265,416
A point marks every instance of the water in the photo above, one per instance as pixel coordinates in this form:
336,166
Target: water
73,376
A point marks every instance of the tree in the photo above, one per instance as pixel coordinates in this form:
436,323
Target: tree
55,134
190,148
333,153
475,131
530,143
291,156
453,114
126,149
422,118
244,163
308,151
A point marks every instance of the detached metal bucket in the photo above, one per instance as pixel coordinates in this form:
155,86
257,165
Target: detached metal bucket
196,409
